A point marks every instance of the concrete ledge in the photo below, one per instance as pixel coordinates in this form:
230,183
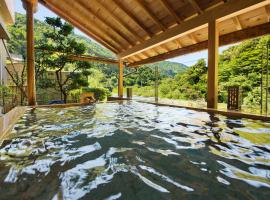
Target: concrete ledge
215,111
62,105
117,98
8,120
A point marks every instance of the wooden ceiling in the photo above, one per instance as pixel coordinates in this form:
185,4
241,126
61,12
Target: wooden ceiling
144,31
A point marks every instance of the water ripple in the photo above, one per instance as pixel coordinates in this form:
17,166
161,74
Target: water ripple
134,151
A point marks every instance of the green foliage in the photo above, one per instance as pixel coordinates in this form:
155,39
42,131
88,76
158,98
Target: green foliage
100,93
58,39
75,95
144,76
167,68
4,90
253,97
190,84
240,65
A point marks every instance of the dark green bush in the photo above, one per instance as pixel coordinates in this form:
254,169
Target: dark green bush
100,93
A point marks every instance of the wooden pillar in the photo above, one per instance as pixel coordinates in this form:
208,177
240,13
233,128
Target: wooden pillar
120,79
212,82
30,7
156,84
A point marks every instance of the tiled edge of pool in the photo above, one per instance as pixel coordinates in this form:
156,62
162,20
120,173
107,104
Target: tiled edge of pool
8,120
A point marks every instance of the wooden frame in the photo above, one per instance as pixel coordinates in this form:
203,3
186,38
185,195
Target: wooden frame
139,30
225,11
227,39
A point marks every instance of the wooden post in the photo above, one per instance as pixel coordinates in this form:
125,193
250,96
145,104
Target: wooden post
30,7
156,84
120,79
212,83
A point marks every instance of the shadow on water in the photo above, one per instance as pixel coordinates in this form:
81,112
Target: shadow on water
134,151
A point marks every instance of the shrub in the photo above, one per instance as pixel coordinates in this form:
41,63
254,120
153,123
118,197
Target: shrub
75,95
99,93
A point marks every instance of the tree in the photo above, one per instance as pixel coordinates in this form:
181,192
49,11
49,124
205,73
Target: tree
58,44
191,84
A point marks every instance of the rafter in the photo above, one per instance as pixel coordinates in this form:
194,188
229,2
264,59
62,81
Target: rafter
222,12
195,5
83,27
133,18
137,57
78,6
235,19
145,54
164,47
117,19
226,39
237,23
170,10
178,43
193,38
177,19
159,50
114,30
150,14
267,11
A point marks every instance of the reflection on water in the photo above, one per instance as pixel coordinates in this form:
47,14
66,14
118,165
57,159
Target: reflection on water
134,151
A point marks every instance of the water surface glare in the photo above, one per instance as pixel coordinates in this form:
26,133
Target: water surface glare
134,151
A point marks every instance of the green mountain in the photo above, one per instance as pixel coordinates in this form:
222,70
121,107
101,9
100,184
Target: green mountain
168,69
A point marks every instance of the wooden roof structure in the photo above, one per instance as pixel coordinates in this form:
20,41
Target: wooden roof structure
145,31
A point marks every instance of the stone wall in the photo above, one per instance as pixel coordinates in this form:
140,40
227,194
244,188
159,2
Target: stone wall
8,120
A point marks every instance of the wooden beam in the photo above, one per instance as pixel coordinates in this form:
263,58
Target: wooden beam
93,59
87,58
33,2
164,47
120,79
117,19
31,85
83,27
178,20
178,43
267,11
212,80
193,38
237,23
133,18
150,14
222,12
84,14
195,5
170,10
114,30
227,39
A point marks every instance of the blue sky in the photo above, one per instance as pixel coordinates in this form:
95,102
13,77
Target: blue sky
188,60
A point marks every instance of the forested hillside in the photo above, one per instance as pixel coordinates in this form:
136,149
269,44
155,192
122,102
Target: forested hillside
240,65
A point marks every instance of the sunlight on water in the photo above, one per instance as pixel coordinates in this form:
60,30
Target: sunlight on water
134,151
